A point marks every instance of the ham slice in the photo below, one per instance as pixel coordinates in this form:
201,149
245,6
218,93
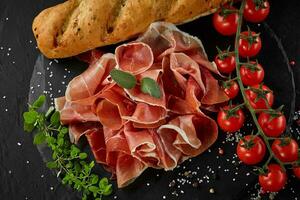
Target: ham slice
128,130
134,57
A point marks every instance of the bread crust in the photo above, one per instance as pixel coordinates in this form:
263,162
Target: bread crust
76,26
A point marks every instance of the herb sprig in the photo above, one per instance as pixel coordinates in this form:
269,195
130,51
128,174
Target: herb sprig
70,162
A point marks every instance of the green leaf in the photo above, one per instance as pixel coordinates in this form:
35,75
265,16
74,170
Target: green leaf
51,165
92,164
60,141
54,155
84,197
94,178
39,138
107,190
74,151
55,118
64,130
69,165
149,86
28,127
103,182
39,102
30,117
82,156
49,112
94,189
123,79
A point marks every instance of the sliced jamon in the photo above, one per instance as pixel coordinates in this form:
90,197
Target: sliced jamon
97,144
128,169
147,114
87,83
183,66
77,130
72,112
189,134
214,93
90,56
128,130
141,145
153,125
113,108
135,57
116,143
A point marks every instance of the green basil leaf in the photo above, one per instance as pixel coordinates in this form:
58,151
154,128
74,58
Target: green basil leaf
39,102
82,156
123,79
28,127
39,138
51,165
149,86
55,118
30,117
94,189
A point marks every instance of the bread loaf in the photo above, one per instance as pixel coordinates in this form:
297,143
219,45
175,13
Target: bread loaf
76,26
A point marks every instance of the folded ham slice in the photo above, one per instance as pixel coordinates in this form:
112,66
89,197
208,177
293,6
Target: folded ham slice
128,130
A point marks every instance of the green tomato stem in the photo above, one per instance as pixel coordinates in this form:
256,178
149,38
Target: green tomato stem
242,88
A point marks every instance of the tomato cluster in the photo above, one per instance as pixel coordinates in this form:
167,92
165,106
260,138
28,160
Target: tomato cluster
259,98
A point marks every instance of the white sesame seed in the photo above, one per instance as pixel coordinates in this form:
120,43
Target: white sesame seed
19,144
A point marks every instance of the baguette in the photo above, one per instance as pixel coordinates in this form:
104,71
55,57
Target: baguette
76,26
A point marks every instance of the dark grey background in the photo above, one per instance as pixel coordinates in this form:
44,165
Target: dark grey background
23,174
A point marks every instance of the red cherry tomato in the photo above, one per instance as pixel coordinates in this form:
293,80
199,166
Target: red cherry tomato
272,126
252,14
230,123
260,103
252,151
226,65
245,48
286,151
296,171
225,25
232,90
274,180
252,76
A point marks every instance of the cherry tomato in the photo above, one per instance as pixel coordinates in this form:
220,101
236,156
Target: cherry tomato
286,150
230,123
251,150
296,171
225,24
260,103
245,48
252,14
272,126
225,65
252,76
232,89
274,180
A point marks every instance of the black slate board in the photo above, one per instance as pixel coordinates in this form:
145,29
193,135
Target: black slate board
22,172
